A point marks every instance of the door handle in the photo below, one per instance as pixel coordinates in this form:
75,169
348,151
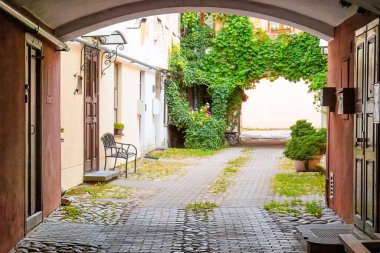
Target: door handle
34,129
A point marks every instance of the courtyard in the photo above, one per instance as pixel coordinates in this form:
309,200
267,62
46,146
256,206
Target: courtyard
191,210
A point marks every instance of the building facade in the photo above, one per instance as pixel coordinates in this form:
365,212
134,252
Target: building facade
128,91
30,96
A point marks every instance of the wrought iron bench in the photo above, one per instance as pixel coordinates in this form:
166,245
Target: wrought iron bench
113,149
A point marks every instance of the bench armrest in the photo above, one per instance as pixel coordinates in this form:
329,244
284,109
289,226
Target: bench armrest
128,146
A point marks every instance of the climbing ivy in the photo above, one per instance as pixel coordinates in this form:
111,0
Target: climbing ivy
231,60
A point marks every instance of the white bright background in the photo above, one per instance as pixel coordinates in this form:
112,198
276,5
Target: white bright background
278,104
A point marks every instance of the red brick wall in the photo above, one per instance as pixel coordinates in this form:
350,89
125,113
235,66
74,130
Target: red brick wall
12,130
340,144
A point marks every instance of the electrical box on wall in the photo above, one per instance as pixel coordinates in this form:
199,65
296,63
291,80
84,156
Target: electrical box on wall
346,101
140,107
328,97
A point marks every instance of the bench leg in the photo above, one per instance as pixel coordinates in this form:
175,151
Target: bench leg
135,163
105,163
126,167
114,166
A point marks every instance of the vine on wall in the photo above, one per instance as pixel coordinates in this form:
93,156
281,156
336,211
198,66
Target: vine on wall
227,62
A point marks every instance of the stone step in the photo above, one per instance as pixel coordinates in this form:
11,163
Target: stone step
100,176
325,237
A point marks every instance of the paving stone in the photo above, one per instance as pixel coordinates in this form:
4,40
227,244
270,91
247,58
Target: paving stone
160,224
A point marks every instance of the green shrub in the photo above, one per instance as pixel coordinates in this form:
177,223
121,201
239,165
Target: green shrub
302,128
306,142
204,131
178,107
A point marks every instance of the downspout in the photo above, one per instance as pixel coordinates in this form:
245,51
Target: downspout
121,55
30,24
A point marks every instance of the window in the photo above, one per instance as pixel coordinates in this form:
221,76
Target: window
274,25
116,93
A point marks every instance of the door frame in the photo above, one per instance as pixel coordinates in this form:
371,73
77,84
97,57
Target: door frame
367,154
92,55
36,218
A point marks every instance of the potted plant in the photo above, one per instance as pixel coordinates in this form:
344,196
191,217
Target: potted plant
118,128
306,146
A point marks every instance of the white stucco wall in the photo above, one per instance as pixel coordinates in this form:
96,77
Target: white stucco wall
278,104
149,44
71,119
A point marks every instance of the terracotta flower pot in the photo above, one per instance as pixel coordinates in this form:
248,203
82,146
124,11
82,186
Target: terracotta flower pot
311,167
300,166
118,131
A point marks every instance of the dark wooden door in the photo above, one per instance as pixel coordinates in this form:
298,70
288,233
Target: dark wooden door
33,166
91,110
366,131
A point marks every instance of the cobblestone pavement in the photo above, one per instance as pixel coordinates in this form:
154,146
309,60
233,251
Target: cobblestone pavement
161,224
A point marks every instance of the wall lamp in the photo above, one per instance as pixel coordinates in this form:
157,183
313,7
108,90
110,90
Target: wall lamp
361,11
138,23
344,4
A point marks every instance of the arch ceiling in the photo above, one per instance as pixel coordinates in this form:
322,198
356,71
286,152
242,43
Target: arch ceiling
72,18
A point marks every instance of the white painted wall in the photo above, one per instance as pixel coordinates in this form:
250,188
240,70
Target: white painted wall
278,104
151,44
72,151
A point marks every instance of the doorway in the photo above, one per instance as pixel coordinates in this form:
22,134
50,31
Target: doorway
91,109
33,163
366,131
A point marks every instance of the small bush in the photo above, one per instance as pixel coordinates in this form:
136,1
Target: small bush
204,132
306,142
301,128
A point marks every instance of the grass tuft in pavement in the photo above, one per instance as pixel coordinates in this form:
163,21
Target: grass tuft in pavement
101,191
286,164
298,184
72,212
294,207
152,169
201,209
177,153
226,178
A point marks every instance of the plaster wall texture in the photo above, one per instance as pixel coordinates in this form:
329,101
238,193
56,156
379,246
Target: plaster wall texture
151,43
279,104
12,130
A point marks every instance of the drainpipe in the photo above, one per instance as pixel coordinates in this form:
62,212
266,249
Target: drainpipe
30,24
121,55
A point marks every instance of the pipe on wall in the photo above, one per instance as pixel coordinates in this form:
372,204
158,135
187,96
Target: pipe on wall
121,55
60,45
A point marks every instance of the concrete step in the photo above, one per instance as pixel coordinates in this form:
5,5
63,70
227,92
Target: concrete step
100,176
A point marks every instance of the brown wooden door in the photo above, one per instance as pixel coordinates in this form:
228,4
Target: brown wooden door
91,110
366,131
33,165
